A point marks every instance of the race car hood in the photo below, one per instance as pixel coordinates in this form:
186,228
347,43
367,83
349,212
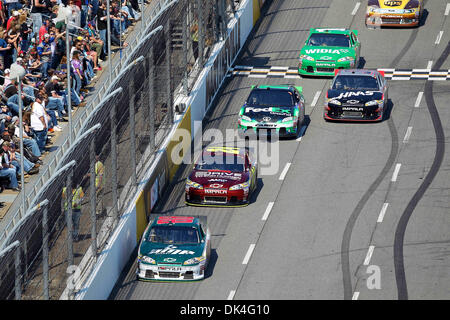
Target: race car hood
171,253
267,114
328,53
354,96
218,179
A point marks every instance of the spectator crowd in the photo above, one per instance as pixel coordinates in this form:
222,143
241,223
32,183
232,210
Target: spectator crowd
33,34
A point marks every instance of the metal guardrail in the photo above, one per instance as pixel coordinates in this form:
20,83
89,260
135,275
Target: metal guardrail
50,169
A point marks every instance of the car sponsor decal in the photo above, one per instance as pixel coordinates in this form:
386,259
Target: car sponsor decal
354,94
271,110
392,3
215,174
215,191
170,249
352,101
216,185
169,260
332,51
218,180
170,219
352,109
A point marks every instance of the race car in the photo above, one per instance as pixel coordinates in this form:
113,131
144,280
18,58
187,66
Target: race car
327,50
278,110
222,176
357,95
174,248
394,13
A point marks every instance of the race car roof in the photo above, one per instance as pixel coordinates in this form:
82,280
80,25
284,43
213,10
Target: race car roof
332,30
279,87
175,220
225,149
360,72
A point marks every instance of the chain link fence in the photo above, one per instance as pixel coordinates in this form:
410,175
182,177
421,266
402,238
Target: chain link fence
76,210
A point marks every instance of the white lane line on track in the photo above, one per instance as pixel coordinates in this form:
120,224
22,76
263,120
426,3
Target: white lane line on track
430,64
407,135
231,295
284,172
395,174
355,295
382,212
439,37
267,212
447,9
419,98
248,254
369,255
316,97
356,8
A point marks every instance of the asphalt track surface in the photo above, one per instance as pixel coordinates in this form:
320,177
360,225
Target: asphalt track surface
356,197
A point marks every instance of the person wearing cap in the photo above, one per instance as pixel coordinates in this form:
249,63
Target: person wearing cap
7,80
55,101
45,53
14,18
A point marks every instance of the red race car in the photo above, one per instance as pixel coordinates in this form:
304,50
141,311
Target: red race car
223,176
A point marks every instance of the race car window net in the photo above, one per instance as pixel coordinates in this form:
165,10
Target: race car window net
349,82
173,234
270,98
329,40
233,163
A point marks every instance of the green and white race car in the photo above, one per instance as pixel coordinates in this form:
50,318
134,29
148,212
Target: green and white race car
278,110
327,50
174,248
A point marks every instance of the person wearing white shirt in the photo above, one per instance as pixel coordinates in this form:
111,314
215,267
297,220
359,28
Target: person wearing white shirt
39,122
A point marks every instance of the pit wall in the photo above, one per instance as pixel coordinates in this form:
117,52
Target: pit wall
133,222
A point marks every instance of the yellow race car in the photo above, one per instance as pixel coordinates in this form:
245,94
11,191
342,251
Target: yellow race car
394,13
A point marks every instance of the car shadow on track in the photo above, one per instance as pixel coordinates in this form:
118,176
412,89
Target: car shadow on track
211,264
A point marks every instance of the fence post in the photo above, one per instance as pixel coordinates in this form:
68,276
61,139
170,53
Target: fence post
185,53
169,73
132,130
69,221
114,161
45,256
151,100
201,33
17,281
93,197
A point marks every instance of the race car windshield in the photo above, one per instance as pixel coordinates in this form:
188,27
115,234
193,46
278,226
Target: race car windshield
270,98
349,82
228,162
173,234
329,40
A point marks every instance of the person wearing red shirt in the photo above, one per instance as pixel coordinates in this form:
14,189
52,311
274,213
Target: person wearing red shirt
15,16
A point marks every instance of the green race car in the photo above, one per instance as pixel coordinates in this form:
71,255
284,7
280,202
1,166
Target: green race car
327,50
174,248
278,110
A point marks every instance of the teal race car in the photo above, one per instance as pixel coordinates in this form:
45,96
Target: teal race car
174,248
272,110
326,50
